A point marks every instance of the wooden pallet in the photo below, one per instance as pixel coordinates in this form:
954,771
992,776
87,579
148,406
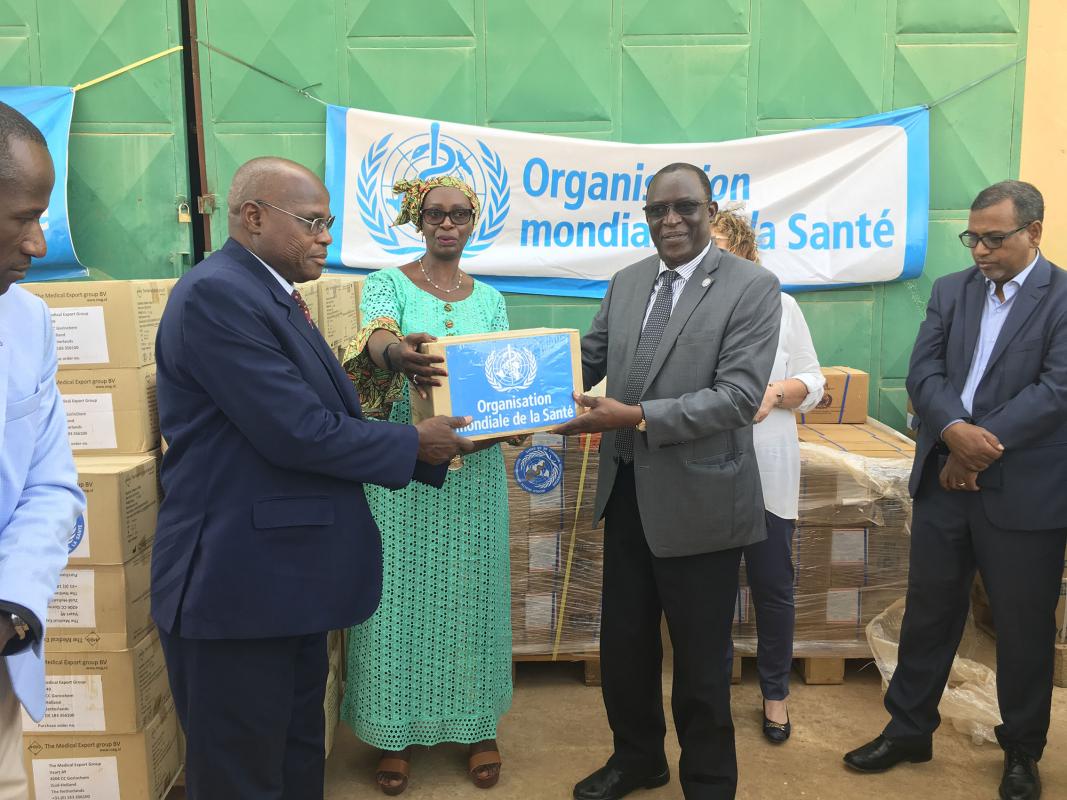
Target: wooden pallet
1059,675
590,663
815,670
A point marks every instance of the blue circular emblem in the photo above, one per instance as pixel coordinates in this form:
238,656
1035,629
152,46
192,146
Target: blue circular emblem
76,535
538,469
423,156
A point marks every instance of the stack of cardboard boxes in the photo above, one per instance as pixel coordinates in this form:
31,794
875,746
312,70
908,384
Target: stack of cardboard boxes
334,304
557,549
851,544
109,729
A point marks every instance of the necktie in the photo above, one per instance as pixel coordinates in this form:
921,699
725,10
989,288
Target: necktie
646,349
299,298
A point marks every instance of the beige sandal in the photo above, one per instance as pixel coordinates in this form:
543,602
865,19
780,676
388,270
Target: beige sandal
484,768
392,768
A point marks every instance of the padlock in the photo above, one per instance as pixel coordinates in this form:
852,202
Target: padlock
184,214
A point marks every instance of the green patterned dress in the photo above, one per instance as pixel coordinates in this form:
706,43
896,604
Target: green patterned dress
434,663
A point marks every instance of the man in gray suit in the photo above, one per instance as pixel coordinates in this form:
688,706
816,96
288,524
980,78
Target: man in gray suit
686,340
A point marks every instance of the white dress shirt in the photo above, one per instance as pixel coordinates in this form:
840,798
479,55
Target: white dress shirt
775,439
684,272
288,287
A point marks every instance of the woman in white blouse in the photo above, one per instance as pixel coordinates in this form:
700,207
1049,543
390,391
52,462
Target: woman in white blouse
796,383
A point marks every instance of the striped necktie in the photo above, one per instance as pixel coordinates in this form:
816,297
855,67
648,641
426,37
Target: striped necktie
646,349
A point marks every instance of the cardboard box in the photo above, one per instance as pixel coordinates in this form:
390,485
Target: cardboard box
122,496
338,307
844,400
104,324
110,411
513,382
99,609
103,692
104,766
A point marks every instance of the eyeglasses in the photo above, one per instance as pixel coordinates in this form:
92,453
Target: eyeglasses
992,241
316,226
459,216
684,208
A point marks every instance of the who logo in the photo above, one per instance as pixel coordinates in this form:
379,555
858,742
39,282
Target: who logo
423,156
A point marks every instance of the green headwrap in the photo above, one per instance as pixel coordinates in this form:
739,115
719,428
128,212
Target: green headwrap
415,192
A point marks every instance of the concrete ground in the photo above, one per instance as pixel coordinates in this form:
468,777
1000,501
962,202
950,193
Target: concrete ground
556,733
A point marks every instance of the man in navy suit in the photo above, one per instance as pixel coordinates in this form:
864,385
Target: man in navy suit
265,541
988,380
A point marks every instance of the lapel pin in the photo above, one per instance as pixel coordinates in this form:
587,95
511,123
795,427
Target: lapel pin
706,283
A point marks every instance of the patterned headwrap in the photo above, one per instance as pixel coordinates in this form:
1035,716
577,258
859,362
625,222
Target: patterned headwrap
415,192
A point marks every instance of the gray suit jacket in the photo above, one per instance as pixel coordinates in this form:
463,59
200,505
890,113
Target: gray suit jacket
698,485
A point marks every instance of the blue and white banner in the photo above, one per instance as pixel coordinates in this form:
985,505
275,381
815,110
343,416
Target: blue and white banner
841,205
50,108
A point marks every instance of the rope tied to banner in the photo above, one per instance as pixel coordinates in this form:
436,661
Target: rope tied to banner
128,67
299,90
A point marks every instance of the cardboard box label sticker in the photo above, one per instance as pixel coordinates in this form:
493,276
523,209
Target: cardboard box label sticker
512,384
76,778
74,703
542,553
90,421
74,603
849,546
843,605
81,336
78,542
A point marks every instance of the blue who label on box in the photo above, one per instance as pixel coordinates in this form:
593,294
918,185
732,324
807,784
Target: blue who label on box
538,470
512,384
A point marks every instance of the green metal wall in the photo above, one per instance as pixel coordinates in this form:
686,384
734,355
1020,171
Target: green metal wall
128,152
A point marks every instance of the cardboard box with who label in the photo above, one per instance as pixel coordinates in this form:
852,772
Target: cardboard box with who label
511,383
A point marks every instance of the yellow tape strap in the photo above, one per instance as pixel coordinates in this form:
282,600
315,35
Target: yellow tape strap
570,550
127,68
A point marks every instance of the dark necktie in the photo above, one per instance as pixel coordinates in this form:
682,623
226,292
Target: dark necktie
299,298
646,349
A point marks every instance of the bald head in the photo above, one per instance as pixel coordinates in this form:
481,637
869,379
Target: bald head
272,204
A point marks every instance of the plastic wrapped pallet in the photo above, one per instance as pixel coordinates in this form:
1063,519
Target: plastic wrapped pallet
852,541
556,548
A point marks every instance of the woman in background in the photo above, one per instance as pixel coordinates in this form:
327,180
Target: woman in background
796,383
434,663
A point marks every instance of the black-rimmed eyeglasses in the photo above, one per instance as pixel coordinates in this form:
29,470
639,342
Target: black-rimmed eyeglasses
435,216
316,226
684,208
992,241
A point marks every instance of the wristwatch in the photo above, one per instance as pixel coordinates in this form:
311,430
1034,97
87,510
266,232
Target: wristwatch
22,629
641,426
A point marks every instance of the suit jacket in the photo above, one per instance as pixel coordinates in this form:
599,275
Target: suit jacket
1022,397
39,495
264,529
698,484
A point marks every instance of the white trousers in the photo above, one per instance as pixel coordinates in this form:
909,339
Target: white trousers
12,776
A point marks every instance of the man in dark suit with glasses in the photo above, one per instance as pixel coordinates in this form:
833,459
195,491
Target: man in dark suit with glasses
988,379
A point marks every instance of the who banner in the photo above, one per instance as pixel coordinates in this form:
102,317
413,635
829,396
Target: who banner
50,108
841,205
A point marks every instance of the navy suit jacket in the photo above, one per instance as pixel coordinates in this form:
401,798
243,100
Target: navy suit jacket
1021,399
264,529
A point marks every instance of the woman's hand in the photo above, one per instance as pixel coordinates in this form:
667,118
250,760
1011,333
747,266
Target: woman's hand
770,402
404,357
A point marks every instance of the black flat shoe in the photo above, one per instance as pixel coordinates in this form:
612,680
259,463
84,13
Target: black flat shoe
1021,780
776,732
610,783
883,754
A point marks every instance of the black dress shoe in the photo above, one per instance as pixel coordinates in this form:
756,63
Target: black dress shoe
776,732
883,753
1021,780
611,783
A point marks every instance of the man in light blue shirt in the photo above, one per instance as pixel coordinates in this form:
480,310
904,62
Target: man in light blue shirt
988,379
39,495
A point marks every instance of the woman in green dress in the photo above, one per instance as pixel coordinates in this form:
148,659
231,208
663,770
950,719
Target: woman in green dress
434,663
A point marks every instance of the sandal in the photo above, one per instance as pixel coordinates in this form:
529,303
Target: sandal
392,774
484,768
